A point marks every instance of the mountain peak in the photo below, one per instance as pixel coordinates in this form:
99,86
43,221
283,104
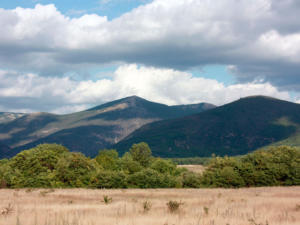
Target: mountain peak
232,129
133,98
260,97
131,101
91,130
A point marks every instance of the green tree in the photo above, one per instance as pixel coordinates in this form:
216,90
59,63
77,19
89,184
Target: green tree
141,153
108,159
128,165
35,167
6,174
163,166
75,170
273,166
190,180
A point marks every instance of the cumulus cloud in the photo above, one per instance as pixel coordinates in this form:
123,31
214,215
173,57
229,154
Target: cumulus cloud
19,92
259,37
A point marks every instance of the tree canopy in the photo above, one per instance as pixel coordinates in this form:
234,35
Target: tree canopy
51,165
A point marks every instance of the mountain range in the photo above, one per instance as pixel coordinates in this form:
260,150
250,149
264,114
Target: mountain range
87,131
171,131
4,149
232,129
9,116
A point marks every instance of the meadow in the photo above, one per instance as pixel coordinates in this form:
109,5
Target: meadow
245,206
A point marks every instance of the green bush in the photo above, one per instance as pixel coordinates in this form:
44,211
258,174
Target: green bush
274,166
5,174
109,179
163,166
51,165
190,180
36,167
75,170
108,159
141,153
128,165
149,178
48,165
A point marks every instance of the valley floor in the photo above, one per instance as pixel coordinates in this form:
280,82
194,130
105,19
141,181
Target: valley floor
249,206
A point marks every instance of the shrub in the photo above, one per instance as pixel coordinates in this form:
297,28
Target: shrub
206,210
273,166
190,180
6,210
107,199
222,172
149,178
173,206
147,206
109,179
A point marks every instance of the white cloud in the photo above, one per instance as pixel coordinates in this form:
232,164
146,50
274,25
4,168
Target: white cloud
259,37
62,95
284,47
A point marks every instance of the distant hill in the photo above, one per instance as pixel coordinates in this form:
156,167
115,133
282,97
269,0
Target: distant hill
4,149
233,129
8,116
90,130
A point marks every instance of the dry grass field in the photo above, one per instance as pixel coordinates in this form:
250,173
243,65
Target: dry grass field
253,206
193,168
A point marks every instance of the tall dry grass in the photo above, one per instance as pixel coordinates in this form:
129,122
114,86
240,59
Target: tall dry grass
253,206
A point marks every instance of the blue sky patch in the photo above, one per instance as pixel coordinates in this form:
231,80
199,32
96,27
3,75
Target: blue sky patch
74,8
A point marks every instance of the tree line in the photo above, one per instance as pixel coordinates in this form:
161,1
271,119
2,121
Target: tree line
54,166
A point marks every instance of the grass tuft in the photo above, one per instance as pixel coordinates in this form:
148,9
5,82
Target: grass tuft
107,199
206,210
173,206
6,210
147,206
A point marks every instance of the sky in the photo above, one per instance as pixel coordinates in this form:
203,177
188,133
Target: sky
64,56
